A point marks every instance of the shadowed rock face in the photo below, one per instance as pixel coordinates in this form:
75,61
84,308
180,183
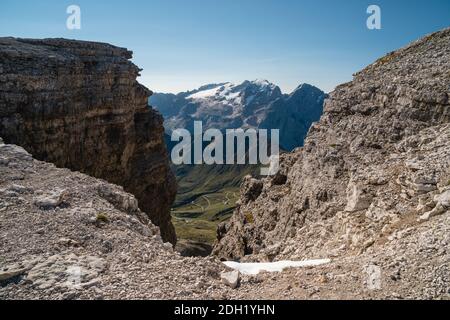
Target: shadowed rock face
78,104
378,161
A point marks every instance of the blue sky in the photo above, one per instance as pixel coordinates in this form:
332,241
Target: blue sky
182,44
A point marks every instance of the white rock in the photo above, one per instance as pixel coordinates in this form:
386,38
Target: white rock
438,210
168,246
442,204
357,198
19,189
443,199
231,279
51,201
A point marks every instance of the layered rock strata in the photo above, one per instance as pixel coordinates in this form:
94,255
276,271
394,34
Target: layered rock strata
78,105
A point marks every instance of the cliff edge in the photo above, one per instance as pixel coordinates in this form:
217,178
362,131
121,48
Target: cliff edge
78,105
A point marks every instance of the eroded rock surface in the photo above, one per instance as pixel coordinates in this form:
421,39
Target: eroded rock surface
97,244
376,164
78,105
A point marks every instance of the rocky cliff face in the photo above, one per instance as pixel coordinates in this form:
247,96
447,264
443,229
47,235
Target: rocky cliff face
78,105
374,169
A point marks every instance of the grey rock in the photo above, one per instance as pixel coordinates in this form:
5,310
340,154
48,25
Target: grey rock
357,198
51,201
9,274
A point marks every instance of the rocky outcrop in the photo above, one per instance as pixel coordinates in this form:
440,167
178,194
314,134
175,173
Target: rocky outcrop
78,105
375,167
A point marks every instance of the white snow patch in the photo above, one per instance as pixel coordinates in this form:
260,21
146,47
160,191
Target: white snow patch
232,95
255,268
218,92
205,94
263,84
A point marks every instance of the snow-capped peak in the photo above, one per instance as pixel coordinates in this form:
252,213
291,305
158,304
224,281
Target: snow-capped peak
220,91
206,93
237,96
262,83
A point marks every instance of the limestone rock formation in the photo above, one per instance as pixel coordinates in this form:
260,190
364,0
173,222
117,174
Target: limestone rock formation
78,105
377,164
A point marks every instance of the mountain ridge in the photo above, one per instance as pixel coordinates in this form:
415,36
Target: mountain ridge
249,104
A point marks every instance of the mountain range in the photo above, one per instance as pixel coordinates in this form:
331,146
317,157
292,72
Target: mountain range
251,104
209,193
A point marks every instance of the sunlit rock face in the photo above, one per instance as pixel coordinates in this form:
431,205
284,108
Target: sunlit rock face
376,162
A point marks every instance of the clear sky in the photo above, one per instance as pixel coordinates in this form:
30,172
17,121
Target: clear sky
182,44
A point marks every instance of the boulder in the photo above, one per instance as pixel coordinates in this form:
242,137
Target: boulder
357,198
231,278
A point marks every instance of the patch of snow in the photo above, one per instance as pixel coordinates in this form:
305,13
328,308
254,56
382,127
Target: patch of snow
263,84
220,92
205,94
232,95
255,268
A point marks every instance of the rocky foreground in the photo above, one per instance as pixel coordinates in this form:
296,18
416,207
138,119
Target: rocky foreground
65,235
